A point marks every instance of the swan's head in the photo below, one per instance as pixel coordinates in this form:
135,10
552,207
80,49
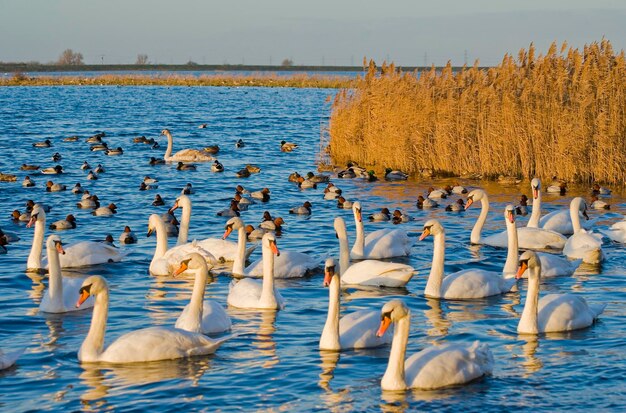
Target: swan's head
153,222
393,311
535,184
165,132
91,286
509,214
329,271
269,241
340,226
475,195
356,209
580,205
432,226
180,202
528,259
232,224
54,243
193,261
37,214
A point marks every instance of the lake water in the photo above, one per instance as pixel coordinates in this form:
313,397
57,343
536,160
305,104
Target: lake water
273,364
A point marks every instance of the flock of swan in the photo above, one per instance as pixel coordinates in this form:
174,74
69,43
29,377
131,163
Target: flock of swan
554,245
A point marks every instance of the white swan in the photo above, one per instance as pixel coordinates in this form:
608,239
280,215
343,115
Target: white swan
252,294
434,367
582,244
465,284
384,243
219,247
81,254
61,294
9,359
551,265
289,264
165,261
368,272
354,330
533,221
200,315
559,220
146,344
529,238
553,312
184,155
617,231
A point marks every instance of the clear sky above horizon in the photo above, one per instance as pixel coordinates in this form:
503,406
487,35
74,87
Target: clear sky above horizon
320,32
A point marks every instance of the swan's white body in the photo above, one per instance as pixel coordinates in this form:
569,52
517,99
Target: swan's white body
529,238
252,294
354,330
384,243
200,315
434,367
617,232
165,260
553,312
582,245
60,297
465,284
184,155
147,344
82,254
561,222
368,272
9,359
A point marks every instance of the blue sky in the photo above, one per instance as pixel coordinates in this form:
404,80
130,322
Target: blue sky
338,32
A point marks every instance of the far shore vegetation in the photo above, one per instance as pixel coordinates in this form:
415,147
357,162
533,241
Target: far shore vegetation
559,115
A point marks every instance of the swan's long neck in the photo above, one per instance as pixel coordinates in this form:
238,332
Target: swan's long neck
268,298
330,334
197,298
240,261
359,243
478,227
574,211
528,320
185,219
161,237
93,345
512,260
170,144
34,258
344,251
394,375
533,222
55,284
433,285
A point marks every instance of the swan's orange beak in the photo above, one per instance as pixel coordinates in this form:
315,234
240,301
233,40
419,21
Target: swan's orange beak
172,209
358,215
150,231
523,266
183,267
469,203
328,275
384,325
31,221
84,295
274,248
535,192
425,233
59,247
511,217
229,229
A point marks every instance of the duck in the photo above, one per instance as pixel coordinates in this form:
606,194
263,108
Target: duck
77,189
529,238
306,184
368,272
128,236
240,143
187,189
466,284
165,261
108,239
85,166
293,177
92,176
73,138
155,161
217,166
508,180
384,243
164,343
254,234
342,203
600,190
383,215
56,157
456,206
99,169
616,232
598,203
242,173
240,189
158,201
582,244
139,139
27,182
53,170
433,367
8,359
184,155
81,254
274,225
43,144
96,137
202,126
318,179
304,209
287,264
89,202
27,167
9,236
352,331
105,211
181,166
287,146
557,187
60,296
52,187
253,169
400,217
247,293
212,149
263,195
200,315
232,211
459,189
103,146
68,223
436,193
522,207
347,173
332,195
395,175
426,203
30,204
553,312
17,216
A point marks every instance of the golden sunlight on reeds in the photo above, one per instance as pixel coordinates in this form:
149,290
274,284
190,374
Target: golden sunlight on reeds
562,114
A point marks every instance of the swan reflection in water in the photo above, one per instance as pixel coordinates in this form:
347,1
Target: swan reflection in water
435,316
530,362
255,328
355,292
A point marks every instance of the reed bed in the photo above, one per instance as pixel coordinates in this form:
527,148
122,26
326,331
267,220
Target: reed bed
562,114
261,80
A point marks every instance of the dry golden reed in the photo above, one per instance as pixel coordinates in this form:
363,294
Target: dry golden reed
562,114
